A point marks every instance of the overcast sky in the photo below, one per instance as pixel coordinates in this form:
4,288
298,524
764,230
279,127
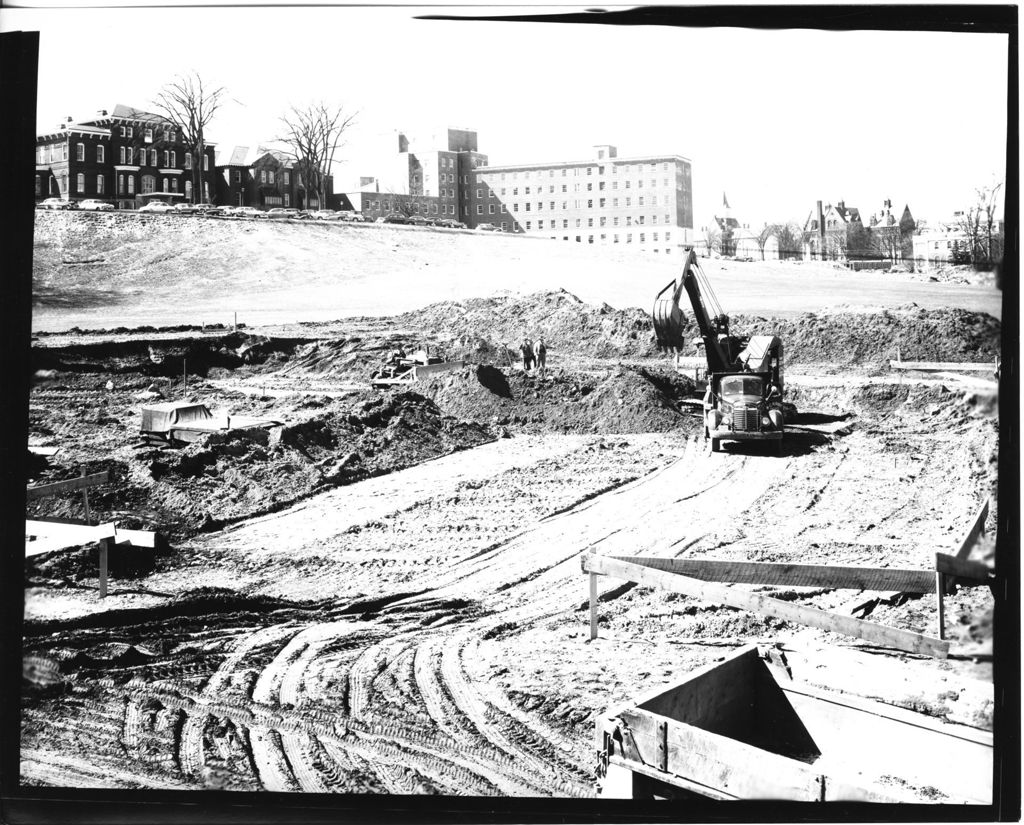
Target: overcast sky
777,120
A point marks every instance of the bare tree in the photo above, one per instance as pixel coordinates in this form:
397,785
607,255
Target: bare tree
712,238
313,135
767,233
886,242
190,106
790,238
980,225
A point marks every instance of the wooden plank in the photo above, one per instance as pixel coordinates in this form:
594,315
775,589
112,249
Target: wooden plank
593,606
977,528
67,486
631,767
136,538
758,603
942,366
50,536
940,587
104,556
44,451
976,571
793,575
722,763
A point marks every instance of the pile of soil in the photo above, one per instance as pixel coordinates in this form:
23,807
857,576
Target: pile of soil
623,399
564,322
479,328
227,478
164,356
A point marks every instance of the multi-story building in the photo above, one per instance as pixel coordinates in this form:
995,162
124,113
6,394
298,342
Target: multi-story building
642,202
429,182
265,178
120,157
645,203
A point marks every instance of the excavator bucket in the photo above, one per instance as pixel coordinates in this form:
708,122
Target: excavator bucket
669,323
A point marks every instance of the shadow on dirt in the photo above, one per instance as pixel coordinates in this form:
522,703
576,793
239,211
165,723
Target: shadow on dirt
811,418
797,442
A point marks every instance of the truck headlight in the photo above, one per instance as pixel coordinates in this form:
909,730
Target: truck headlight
765,421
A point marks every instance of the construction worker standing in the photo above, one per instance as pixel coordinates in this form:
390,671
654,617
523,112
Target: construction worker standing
540,355
527,350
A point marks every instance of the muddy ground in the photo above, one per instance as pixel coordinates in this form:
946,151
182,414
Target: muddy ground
384,594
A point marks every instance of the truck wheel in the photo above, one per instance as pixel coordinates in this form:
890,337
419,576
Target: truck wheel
716,445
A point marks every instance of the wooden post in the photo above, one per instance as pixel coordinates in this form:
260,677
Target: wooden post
104,548
184,375
593,606
85,501
940,586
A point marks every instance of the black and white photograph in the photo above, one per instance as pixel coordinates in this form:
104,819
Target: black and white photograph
527,405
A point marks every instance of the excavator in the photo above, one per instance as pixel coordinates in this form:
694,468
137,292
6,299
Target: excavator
744,400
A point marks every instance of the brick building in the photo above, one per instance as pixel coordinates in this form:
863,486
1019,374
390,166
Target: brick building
642,202
838,233
119,157
266,178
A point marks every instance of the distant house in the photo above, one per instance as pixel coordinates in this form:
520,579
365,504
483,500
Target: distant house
945,242
838,233
737,239
831,231
265,178
121,157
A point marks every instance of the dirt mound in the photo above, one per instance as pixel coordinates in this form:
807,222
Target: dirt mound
164,356
480,327
227,478
865,338
563,320
621,400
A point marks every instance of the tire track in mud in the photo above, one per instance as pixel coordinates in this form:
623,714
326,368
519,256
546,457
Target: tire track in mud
407,717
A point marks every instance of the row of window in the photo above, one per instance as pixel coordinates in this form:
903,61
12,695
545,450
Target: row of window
590,223
126,156
616,168
268,176
578,204
565,188
170,135
125,185
615,239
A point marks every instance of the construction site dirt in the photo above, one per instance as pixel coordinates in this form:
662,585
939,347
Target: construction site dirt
383,593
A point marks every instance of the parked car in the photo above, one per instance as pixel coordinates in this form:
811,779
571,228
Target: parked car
448,223
185,208
282,212
487,227
247,212
209,209
396,219
156,206
56,203
96,205
325,215
417,220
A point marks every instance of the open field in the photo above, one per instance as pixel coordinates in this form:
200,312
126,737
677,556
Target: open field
388,597
90,268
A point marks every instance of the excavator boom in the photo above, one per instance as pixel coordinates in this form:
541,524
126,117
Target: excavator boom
670,323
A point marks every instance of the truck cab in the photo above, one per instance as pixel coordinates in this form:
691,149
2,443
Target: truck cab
743,406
